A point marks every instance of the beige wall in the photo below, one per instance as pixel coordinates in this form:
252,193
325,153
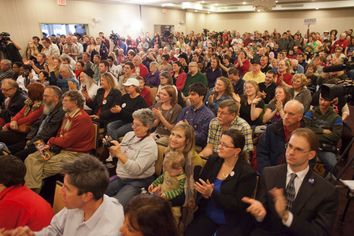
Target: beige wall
341,19
21,18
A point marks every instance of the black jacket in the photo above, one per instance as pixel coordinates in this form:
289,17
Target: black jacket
314,208
15,105
242,183
113,98
50,127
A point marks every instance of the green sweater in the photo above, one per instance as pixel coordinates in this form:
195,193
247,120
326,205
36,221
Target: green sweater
197,78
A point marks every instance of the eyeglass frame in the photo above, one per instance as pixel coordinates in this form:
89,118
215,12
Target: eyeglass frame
224,145
295,149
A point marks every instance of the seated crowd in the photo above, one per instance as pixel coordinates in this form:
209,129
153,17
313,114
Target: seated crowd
192,120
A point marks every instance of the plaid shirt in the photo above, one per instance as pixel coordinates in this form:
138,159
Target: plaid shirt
215,131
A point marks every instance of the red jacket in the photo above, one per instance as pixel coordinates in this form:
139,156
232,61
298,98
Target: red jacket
143,70
79,138
31,117
20,206
181,80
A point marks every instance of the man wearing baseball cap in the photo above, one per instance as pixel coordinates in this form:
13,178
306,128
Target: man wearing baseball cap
255,74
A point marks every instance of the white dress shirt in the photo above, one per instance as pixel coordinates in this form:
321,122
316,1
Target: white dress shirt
106,221
297,184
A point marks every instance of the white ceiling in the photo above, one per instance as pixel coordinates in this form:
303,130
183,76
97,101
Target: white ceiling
213,6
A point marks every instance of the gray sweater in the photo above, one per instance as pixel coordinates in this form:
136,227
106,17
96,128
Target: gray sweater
141,153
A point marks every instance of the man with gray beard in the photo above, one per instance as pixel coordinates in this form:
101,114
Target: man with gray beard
46,127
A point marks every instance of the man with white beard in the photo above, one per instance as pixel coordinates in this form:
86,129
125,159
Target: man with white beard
44,128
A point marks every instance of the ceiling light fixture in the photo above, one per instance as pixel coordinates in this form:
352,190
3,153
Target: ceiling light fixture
264,5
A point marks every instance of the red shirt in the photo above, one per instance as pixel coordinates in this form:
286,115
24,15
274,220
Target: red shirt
20,206
143,71
145,93
287,78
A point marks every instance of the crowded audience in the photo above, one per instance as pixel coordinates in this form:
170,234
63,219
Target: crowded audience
190,119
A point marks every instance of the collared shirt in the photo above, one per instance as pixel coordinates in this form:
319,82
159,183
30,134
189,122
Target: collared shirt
52,50
300,176
199,119
215,131
258,77
106,220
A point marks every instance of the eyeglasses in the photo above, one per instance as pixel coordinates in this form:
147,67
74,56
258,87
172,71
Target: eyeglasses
224,145
295,149
6,89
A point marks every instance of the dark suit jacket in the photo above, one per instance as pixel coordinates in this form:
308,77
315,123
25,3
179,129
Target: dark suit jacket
314,208
233,188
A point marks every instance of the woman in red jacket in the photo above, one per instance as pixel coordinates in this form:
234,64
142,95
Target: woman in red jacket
16,130
178,75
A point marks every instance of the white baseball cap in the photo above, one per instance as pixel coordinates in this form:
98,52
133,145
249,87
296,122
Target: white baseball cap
132,81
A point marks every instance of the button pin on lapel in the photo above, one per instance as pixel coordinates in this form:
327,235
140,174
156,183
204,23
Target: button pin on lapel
232,173
311,180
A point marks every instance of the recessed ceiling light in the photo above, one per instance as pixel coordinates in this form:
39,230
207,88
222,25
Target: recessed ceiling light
317,8
195,10
258,10
244,3
276,1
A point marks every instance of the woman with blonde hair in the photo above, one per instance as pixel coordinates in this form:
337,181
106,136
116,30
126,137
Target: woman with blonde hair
299,91
106,98
251,104
222,90
166,112
182,139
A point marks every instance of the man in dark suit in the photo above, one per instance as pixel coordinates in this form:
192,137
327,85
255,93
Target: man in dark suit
292,200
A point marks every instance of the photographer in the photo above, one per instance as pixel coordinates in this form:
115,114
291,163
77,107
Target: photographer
8,48
136,155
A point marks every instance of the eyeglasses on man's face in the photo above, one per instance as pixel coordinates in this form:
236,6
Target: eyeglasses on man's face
290,146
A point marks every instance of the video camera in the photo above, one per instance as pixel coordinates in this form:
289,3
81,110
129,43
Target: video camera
340,89
4,38
346,66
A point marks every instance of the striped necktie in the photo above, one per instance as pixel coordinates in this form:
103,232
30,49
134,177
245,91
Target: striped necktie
290,192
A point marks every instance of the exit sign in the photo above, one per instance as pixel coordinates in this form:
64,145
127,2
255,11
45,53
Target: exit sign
310,21
61,2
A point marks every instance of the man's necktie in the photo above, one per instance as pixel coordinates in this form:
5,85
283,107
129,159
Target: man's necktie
290,192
